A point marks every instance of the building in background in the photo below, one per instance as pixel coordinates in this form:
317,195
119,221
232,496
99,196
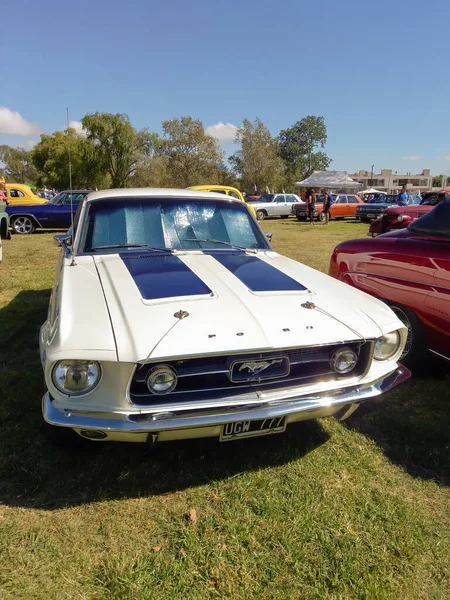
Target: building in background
391,182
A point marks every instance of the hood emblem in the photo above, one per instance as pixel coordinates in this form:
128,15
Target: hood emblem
256,367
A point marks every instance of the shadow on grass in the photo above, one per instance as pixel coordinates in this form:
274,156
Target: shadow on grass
413,426
35,474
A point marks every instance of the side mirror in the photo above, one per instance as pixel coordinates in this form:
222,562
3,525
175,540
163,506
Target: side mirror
63,239
269,235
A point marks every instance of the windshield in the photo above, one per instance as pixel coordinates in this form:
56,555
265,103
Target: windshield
57,199
386,199
169,223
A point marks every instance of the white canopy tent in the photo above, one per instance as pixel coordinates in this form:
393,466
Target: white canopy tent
330,180
371,191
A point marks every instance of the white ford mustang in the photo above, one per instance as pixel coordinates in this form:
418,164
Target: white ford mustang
171,317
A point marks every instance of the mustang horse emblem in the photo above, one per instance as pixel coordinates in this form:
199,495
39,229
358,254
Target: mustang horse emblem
256,367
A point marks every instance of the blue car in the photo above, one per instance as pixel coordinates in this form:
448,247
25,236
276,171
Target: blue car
55,214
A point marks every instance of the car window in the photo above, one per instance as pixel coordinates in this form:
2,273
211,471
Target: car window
279,198
233,195
342,200
265,198
291,198
352,199
75,198
169,223
16,194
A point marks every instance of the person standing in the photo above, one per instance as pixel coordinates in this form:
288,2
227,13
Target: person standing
327,201
403,197
311,204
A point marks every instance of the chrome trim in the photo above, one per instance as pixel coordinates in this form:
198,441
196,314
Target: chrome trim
140,422
26,215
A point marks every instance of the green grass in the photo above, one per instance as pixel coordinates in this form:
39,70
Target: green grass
358,510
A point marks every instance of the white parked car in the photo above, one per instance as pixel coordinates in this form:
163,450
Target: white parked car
275,205
171,317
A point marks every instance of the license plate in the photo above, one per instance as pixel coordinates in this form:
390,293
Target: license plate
244,429
371,216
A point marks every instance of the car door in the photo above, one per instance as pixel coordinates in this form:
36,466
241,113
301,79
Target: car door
283,208
351,206
273,207
63,214
338,209
290,200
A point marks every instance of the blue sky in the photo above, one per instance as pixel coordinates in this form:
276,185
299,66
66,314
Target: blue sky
378,72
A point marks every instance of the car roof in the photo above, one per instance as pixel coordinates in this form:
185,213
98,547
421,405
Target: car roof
156,193
18,185
213,187
75,192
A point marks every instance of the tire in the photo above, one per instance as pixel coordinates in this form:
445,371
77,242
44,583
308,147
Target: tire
284,216
261,215
299,218
415,355
322,217
4,233
23,225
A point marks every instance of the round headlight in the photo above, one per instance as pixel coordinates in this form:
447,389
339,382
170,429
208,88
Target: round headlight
387,345
343,360
76,377
161,380
400,218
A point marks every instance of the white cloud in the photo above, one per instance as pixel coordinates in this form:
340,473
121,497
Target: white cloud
224,132
78,127
411,157
446,157
28,145
12,123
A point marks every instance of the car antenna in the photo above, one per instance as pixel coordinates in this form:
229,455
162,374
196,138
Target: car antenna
73,263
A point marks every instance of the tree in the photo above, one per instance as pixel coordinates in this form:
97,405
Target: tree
151,171
117,145
18,166
257,162
298,148
437,180
192,156
51,157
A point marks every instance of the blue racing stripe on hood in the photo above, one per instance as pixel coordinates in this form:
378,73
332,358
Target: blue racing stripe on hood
163,276
258,275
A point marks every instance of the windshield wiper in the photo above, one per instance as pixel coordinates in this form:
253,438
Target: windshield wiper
255,250
146,246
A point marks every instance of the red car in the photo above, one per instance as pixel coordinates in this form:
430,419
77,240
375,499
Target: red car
410,270
399,217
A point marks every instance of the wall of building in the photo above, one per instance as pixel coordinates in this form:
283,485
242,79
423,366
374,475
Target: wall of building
392,182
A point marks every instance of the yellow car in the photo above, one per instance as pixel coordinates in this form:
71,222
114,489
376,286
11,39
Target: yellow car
19,193
223,189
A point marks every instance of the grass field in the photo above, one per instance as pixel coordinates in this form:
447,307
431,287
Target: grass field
359,510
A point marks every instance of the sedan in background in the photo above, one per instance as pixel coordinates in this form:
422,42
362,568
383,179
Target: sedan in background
372,210
55,214
409,269
344,205
399,217
275,205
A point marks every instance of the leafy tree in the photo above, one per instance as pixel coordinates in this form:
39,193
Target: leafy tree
51,157
18,166
298,148
192,156
117,147
437,180
151,171
257,162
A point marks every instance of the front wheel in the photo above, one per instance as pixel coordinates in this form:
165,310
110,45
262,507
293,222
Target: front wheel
416,351
23,225
322,217
260,215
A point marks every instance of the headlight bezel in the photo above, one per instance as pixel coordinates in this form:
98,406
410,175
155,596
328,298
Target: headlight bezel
333,360
393,353
74,393
158,369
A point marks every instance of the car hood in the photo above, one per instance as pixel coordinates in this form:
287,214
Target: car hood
195,303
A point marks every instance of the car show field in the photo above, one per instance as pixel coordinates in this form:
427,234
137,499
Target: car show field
359,509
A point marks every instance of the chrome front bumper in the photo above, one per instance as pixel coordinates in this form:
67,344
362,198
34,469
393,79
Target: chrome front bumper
188,423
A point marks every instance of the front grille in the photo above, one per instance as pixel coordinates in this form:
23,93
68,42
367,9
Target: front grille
208,377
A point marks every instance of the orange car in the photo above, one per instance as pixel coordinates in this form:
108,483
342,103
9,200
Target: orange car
344,205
